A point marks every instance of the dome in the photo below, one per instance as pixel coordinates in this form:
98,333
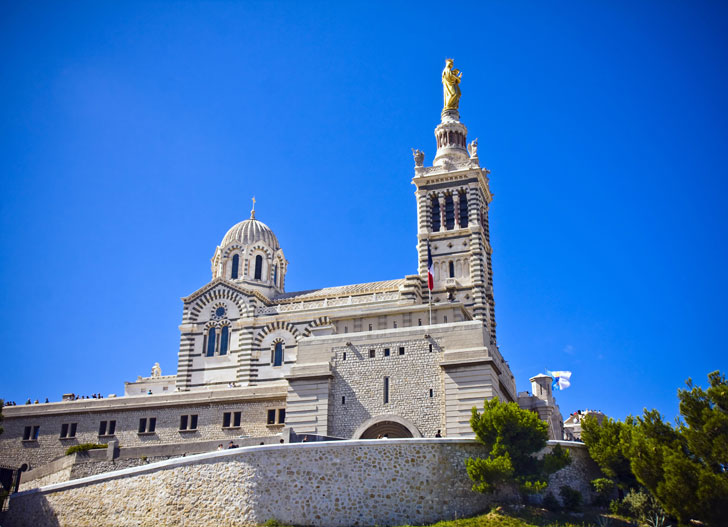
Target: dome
249,255
248,232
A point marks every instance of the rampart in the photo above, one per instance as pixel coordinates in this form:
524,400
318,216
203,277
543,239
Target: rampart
342,483
112,458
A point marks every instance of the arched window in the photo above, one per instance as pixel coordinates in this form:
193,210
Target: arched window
463,210
258,267
449,212
211,337
275,274
435,214
451,267
236,265
224,340
277,358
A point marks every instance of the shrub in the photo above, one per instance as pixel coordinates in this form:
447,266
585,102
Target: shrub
570,498
619,508
603,487
275,523
642,506
83,447
551,503
637,502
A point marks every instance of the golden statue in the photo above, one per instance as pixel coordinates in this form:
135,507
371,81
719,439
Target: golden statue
451,86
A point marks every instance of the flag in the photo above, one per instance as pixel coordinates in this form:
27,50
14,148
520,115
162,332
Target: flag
561,379
430,270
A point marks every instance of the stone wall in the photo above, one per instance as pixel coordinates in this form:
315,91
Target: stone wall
54,472
93,462
127,412
578,474
360,379
343,483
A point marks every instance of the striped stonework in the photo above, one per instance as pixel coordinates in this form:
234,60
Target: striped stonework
220,290
279,324
184,361
245,356
321,321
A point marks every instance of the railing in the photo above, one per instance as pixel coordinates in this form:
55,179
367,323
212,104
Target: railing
328,302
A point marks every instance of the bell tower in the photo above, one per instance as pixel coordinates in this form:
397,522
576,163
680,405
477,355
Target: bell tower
453,198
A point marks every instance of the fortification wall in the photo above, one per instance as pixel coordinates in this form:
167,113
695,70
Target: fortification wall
343,483
92,462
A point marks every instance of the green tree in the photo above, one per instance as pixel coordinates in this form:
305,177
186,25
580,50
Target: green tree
686,467
512,437
604,442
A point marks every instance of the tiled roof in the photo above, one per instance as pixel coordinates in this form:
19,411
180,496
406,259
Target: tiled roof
342,290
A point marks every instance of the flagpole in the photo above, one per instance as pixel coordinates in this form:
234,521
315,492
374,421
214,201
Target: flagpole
430,302
430,278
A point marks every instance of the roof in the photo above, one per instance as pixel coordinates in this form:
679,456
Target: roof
342,290
248,232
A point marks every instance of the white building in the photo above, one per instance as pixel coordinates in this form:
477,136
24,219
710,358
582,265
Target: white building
354,361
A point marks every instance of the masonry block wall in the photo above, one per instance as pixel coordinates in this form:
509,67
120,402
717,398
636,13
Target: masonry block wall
413,384
335,484
126,414
434,375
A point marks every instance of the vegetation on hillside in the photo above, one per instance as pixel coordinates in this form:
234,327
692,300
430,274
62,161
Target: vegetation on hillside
681,470
520,517
512,436
534,517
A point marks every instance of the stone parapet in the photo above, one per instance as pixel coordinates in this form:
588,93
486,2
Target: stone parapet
332,484
145,401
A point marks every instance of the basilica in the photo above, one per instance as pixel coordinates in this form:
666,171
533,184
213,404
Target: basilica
406,357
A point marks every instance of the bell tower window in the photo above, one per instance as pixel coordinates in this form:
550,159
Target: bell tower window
449,212
275,274
463,210
435,214
236,266
451,269
258,267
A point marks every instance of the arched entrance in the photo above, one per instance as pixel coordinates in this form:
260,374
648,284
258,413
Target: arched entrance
390,426
389,429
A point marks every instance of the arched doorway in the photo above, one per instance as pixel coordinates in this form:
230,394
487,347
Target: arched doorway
390,429
390,425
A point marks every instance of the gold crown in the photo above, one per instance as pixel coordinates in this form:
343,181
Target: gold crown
450,60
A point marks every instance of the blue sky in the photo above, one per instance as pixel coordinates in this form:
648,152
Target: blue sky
134,135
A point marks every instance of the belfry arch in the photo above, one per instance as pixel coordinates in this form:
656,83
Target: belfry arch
393,426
